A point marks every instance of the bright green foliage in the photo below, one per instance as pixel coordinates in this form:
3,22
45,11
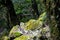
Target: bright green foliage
23,37
17,34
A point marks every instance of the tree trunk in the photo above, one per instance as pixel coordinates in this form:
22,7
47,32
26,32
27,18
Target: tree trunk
35,8
57,14
12,17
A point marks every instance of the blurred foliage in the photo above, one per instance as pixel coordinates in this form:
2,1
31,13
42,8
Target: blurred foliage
25,7
30,25
22,6
41,6
3,21
5,38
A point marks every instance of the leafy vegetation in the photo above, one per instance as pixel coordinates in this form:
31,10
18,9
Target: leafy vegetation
29,20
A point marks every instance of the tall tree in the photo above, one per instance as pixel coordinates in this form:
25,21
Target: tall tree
35,8
11,15
57,14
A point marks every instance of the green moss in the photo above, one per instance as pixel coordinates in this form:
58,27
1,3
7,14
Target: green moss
14,32
33,24
17,34
23,37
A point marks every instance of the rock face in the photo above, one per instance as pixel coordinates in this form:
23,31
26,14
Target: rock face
32,28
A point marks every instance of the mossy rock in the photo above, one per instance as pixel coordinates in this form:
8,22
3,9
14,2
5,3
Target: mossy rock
23,37
14,32
33,24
